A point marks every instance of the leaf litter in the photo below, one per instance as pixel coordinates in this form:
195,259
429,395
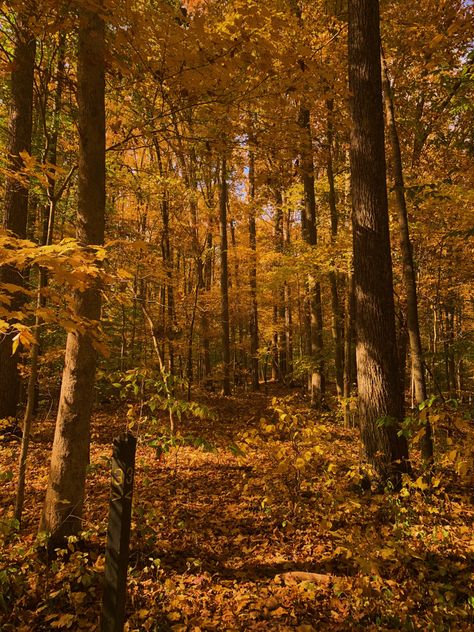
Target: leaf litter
263,525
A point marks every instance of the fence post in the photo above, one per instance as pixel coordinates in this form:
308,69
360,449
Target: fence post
118,533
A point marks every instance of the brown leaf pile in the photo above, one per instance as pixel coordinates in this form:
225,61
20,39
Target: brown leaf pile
223,539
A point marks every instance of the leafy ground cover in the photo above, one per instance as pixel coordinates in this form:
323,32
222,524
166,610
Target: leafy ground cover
262,521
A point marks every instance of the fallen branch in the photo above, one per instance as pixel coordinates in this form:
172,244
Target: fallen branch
294,577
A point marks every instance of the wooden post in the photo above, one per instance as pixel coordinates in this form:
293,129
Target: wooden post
118,534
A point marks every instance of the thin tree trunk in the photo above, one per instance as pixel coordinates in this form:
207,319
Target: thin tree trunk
279,308
289,333
167,255
62,510
402,343
29,411
409,275
333,276
451,359
224,281
316,381
51,156
380,401
207,273
275,360
237,332
16,197
189,369
459,364
288,307
253,278
53,198
348,344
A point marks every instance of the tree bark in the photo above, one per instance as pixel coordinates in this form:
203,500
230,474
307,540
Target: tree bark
47,238
279,308
253,278
288,307
29,411
310,235
224,281
16,197
380,400
207,275
62,511
337,332
408,268
348,348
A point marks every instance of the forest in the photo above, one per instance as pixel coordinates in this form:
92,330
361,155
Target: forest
236,315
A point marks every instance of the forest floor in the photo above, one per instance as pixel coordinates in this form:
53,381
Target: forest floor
261,523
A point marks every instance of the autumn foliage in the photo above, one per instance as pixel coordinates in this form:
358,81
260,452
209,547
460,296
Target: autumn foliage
241,231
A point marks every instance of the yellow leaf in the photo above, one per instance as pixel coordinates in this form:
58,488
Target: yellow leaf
421,484
125,274
174,616
421,433
16,342
387,553
64,621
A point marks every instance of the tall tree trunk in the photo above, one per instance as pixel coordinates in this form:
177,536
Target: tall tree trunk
380,400
451,357
253,278
459,363
170,316
289,333
279,308
16,197
237,329
409,275
29,411
207,273
288,306
310,235
402,343
318,381
47,239
189,361
337,332
348,344
62,511
199,270
274,349
168,290
51,156
224,280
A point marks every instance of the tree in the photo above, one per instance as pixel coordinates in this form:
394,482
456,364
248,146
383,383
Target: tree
16,195
62,509
253,276
408,268
380,399
310,235
224,279
333,276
